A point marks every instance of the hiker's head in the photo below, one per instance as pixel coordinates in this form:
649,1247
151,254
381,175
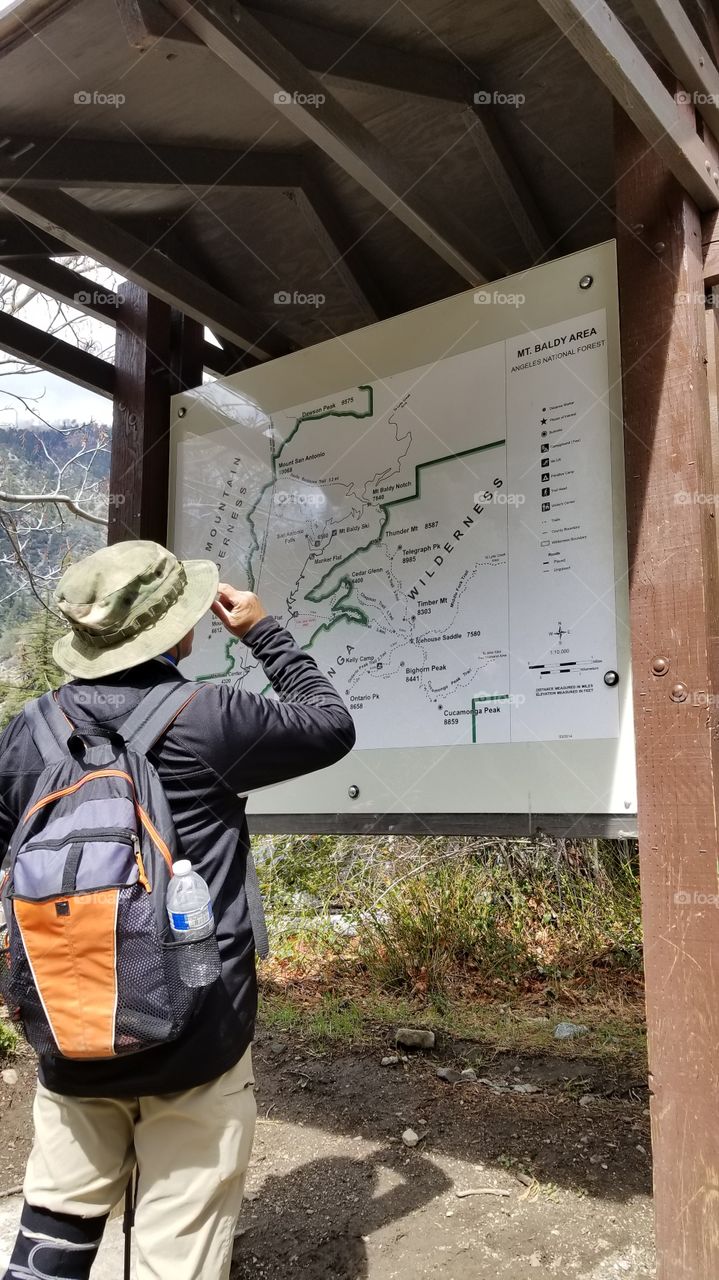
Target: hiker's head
128,603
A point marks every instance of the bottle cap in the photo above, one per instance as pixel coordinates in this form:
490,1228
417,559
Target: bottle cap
182,868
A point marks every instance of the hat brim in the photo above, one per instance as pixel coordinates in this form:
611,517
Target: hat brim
77,656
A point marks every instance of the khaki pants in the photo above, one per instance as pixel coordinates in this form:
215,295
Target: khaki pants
192,1150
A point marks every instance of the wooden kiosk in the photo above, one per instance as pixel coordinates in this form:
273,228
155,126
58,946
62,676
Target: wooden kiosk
219,155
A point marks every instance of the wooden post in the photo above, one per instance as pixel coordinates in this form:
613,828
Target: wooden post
674,616
157,352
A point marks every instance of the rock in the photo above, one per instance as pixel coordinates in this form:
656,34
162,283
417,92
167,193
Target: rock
410,1138
587,1099
276,1046
450,1075
569,1030
535,1260
469,1073
525,1088
414,1038
9,1076
390,1061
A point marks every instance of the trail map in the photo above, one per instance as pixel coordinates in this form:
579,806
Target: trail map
440,540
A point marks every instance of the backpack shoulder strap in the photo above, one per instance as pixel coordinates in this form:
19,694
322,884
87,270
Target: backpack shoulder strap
155,713
49,727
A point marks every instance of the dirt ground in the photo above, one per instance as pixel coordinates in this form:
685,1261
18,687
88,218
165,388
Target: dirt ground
554,1151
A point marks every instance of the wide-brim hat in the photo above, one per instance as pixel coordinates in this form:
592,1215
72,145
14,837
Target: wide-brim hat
129,603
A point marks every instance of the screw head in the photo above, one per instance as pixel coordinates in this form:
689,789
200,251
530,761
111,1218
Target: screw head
611,677
679,693
181,412
586,282
660,666
353,791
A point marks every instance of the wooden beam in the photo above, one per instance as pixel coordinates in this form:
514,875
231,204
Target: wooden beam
231,32
33,346
509,181
85,295
321,218
145,22
67,286
92,233
351,59
41,162
669,26
710,247
187,349
674,607
18,238
610,51
140,457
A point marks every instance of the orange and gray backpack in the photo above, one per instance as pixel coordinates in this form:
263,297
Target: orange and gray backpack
89,966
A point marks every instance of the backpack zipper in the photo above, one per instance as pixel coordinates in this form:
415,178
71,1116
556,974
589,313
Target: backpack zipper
154,835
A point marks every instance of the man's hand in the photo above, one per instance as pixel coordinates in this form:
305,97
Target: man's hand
237,610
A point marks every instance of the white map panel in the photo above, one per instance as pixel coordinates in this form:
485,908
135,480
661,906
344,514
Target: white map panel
439,536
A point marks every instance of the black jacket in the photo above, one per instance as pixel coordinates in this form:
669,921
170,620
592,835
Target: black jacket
224,742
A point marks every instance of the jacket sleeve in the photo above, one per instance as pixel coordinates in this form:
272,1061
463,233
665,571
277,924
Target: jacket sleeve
258,740
20,764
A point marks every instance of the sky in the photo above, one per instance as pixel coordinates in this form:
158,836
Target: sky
56,399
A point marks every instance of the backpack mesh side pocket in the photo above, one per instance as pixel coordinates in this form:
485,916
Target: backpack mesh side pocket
152,1008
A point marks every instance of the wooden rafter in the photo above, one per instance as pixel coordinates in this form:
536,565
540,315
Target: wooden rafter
145,22
319,217
92,233
603,42
33,346
244,44
668,24
86,295
345,60
40,162
20,239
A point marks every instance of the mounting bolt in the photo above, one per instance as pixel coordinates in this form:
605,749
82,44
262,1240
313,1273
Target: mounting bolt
659,246
181,412
679,693
611,677
586,282
660,666
353,791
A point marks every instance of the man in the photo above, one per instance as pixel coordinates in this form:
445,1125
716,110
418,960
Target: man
185,1113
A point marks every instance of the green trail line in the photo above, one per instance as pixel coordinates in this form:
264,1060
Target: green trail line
314,593
348,613
493,697
312,416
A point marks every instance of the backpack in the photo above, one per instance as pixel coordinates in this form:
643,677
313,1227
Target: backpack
89,966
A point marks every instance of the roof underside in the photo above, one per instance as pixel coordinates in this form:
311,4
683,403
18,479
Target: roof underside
275,214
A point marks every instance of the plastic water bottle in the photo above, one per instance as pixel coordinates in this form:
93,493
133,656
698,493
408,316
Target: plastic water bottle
189,908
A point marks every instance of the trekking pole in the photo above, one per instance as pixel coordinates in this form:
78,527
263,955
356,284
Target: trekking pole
128,1221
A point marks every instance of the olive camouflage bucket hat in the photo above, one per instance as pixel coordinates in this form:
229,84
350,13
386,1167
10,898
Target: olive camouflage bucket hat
128,603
